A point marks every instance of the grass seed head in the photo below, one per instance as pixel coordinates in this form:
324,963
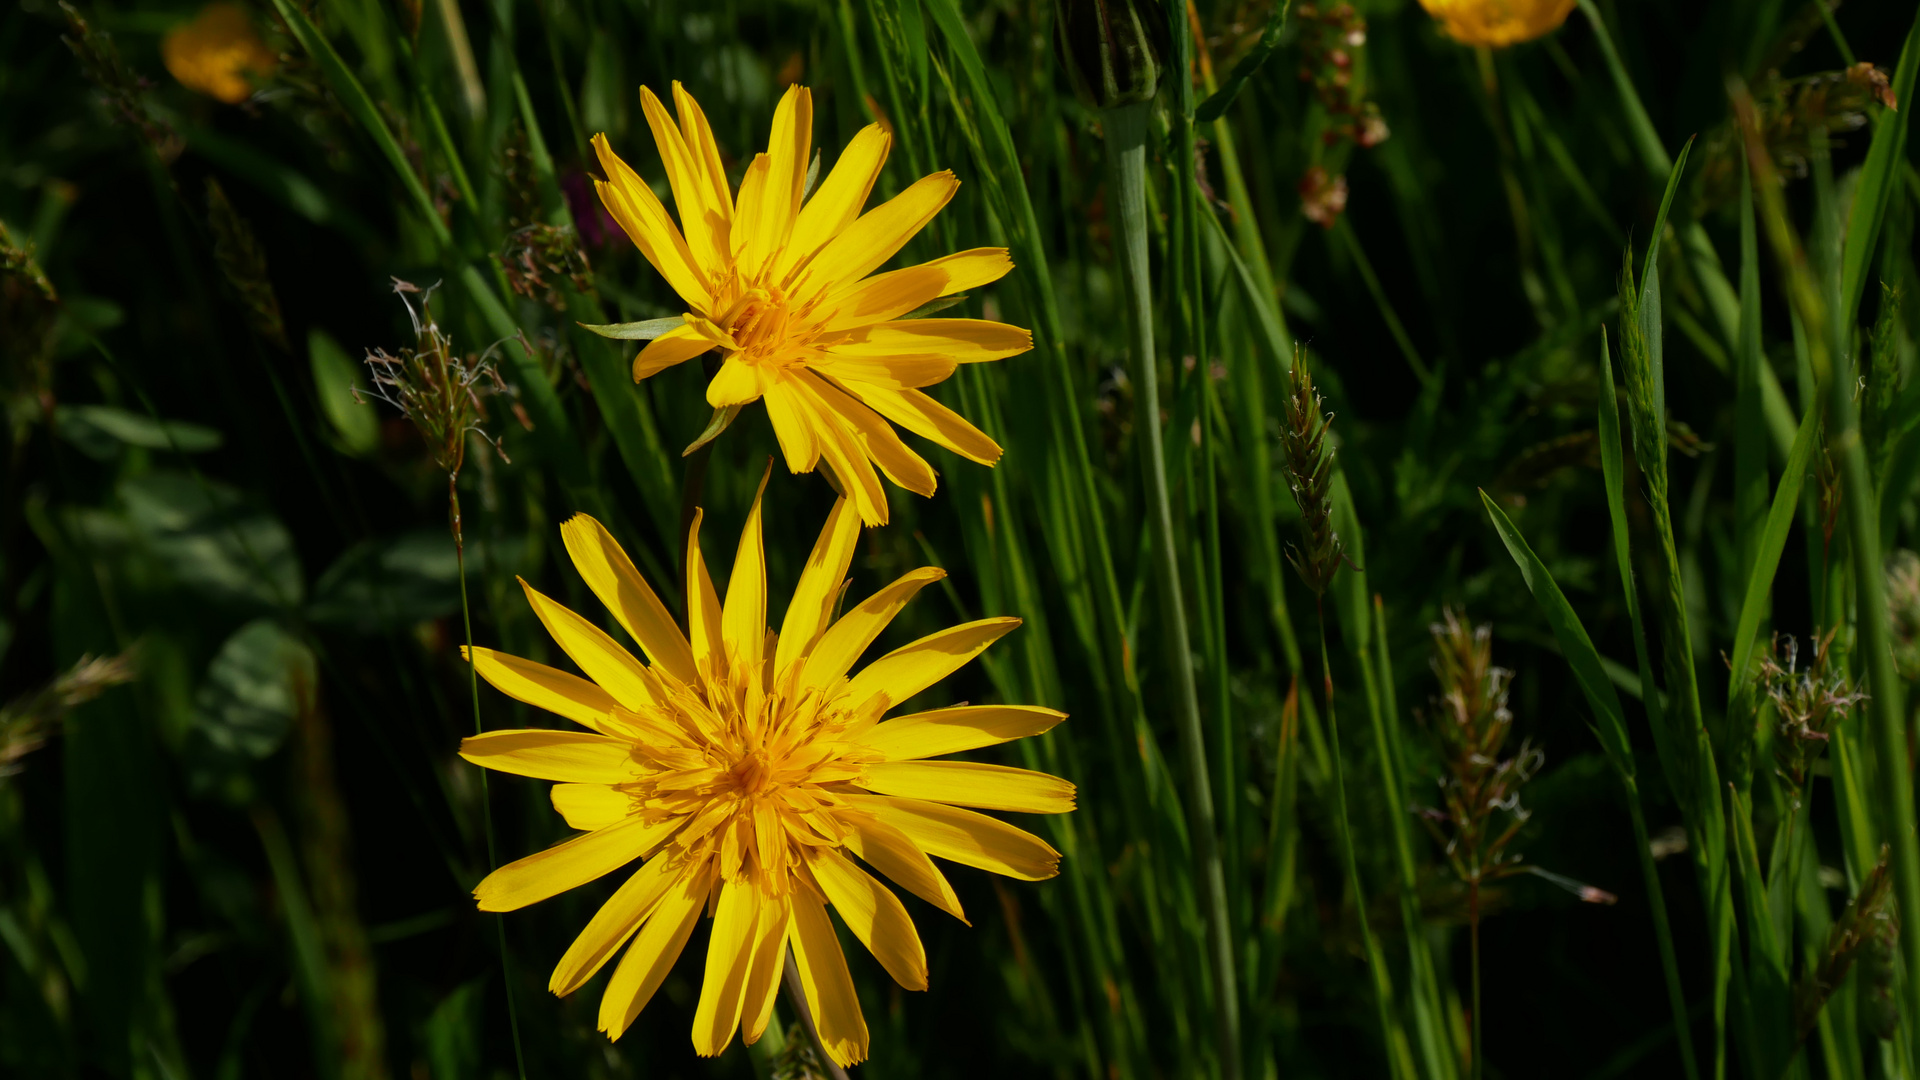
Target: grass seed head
1903,604
1470,720
1309,468
1808,703
437,389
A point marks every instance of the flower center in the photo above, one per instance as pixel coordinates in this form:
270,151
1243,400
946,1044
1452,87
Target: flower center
760,322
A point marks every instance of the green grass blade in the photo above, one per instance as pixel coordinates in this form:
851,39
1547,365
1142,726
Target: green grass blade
1773,541
1878,179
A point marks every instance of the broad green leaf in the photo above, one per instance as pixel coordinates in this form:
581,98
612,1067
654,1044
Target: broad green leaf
336,378
255,687
212,542
100,430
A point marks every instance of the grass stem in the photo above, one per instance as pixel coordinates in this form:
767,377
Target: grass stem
1126,135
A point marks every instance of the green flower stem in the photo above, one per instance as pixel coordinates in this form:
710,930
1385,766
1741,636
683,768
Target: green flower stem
486,801
1126,135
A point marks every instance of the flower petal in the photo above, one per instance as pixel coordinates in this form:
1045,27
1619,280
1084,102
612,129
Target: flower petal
743,619
571,864
603,563
787,149
813,598
590,806
543,754
892,372
703,609
883,297
949,731
927,418
891,852
704,218
837,202
843,643
841,446
763,981
874,914
651,957
542,687
613,924
964,341
860,248
798,444
970,783
634,205
965,837
912,668
729,961
876,438
825,980
676,346
736,383
700,143
601,657
973,268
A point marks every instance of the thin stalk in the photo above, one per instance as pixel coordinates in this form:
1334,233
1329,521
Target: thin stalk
1376,964
1657,903
798,995
486,802
1126,133
1473,935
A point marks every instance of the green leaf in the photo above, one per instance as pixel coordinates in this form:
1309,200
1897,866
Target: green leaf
336,378
941,304
1773,540
253,690
1878,179
722,418
1575,645
100,430
1216,104
636,331
212,542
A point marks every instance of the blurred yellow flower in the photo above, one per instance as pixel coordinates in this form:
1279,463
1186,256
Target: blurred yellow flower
216,52
778,284
745,767
1498,23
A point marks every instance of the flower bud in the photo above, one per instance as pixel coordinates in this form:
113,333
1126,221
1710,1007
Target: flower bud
1114,50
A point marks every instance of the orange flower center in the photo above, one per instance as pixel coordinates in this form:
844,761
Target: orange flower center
766,326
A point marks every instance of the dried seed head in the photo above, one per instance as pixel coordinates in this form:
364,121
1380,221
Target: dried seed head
1866,931
1903,604
1808,703
1470,721
1309,466
435,388
26,721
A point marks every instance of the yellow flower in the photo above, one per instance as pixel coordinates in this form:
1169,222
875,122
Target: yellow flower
1498,23
216,52
779,285
745,768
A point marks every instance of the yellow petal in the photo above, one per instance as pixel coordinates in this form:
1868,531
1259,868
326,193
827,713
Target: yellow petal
743,620
752,231
964,341
705,150
729,962
837,202
965,837
651,957
891,852
813,597
786,406
601,657
882,297
949,731
970,783
634,205
876,439
703,609
892,372
553,755
613,924
572,864
706,225
590,806
736,383
912,668
676,346
874,914
611,575
973,268
825,980
842,448
763,981
783,178
843,643
860,248
927,418
546,688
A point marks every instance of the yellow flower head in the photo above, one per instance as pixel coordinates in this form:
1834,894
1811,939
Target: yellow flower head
216,52
777,282
748,770
1498,23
